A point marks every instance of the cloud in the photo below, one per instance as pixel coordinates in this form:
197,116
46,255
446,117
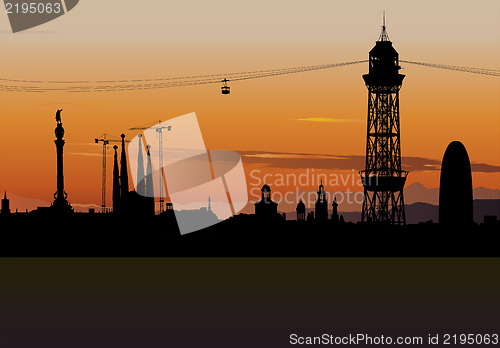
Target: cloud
78,104
484,168
330,120
301,160
290,155
86,154
349,162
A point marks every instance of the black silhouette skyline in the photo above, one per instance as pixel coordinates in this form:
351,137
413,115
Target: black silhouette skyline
132,227
339,185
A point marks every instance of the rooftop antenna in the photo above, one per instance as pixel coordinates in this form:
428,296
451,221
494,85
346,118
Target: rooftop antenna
383,35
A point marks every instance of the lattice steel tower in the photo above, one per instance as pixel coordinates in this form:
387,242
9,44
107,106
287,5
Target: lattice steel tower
383,179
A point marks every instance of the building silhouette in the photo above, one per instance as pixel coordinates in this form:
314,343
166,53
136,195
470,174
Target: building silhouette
383,179
455,186
5,205
193,219
266,208
321,206
150,186
125,202
310,216
116,183
123,171
301,211
335,216
141,179
169,211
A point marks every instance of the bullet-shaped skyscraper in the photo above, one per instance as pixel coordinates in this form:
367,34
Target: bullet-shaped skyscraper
455,187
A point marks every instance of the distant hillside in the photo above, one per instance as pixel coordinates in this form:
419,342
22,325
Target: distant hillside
422,212
418,193
484,207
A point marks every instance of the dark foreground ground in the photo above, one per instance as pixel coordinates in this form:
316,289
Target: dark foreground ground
107,235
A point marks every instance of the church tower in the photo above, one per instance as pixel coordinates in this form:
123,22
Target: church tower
301,211
148,183
141,180
149,176
123,171
335,215
266,208
116,183
321,208
5,205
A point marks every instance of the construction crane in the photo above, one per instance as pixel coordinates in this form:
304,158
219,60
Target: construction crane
157,125
105,139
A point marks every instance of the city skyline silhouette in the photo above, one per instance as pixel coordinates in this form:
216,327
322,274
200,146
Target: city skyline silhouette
382,199
309,114
249,174
308,234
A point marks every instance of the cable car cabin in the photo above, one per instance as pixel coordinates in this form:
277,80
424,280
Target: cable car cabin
225,88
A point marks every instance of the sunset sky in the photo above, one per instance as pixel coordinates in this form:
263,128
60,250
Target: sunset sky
280,125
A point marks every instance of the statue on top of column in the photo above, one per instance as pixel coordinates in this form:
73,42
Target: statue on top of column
58,117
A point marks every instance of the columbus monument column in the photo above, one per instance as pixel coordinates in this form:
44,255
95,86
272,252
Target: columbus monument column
60,204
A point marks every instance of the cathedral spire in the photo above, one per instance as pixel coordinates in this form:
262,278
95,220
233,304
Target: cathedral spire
149,175
5,205
116,182
123,171
141,184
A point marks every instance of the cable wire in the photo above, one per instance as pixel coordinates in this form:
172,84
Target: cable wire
144,84
37,86
483,71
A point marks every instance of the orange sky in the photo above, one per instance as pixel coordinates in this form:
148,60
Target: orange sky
119,41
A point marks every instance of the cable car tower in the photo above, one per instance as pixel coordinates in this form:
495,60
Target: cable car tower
383,179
